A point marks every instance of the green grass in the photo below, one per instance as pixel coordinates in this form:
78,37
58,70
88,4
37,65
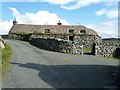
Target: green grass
22,33
5,37
87,49
67,60
6,57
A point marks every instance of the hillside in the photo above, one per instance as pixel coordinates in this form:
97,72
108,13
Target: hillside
111,40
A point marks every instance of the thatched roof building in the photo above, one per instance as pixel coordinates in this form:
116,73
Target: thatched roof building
53,29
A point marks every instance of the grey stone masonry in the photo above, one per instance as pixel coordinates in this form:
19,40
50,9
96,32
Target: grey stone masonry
88,40
57,45
85,40
106,49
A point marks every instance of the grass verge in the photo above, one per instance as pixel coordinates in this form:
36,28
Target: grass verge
110,57
0,67
87,49
6,57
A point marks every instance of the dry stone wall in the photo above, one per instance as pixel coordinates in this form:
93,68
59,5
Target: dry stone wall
88,40
20,37
106,49
85,40
57,45
57,36
60,43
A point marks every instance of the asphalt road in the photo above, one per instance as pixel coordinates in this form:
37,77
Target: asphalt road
36,68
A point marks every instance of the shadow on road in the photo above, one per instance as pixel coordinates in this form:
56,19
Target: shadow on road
88,53
72,76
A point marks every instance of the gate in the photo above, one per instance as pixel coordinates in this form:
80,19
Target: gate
93,51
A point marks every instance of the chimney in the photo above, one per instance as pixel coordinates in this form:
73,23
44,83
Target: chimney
59,23
15,22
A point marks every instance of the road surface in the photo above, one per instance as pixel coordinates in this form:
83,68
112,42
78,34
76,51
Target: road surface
36,68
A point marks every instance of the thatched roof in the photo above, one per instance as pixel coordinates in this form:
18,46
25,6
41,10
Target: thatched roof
55,29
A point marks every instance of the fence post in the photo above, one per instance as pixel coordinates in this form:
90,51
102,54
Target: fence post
81,49
96,48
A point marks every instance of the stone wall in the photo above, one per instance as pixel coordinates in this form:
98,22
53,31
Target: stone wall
88,40
85,40
20,37
60,43
57,45
57,36
106,49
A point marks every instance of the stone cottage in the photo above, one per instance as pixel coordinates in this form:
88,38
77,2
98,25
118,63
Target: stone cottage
61,38
73,33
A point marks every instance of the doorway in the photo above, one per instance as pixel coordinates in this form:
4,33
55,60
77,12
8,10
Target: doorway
71,38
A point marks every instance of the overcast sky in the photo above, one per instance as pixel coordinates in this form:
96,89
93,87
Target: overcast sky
95,14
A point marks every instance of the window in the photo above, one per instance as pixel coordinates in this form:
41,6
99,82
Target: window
82,31
71,31
47,30
71,38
